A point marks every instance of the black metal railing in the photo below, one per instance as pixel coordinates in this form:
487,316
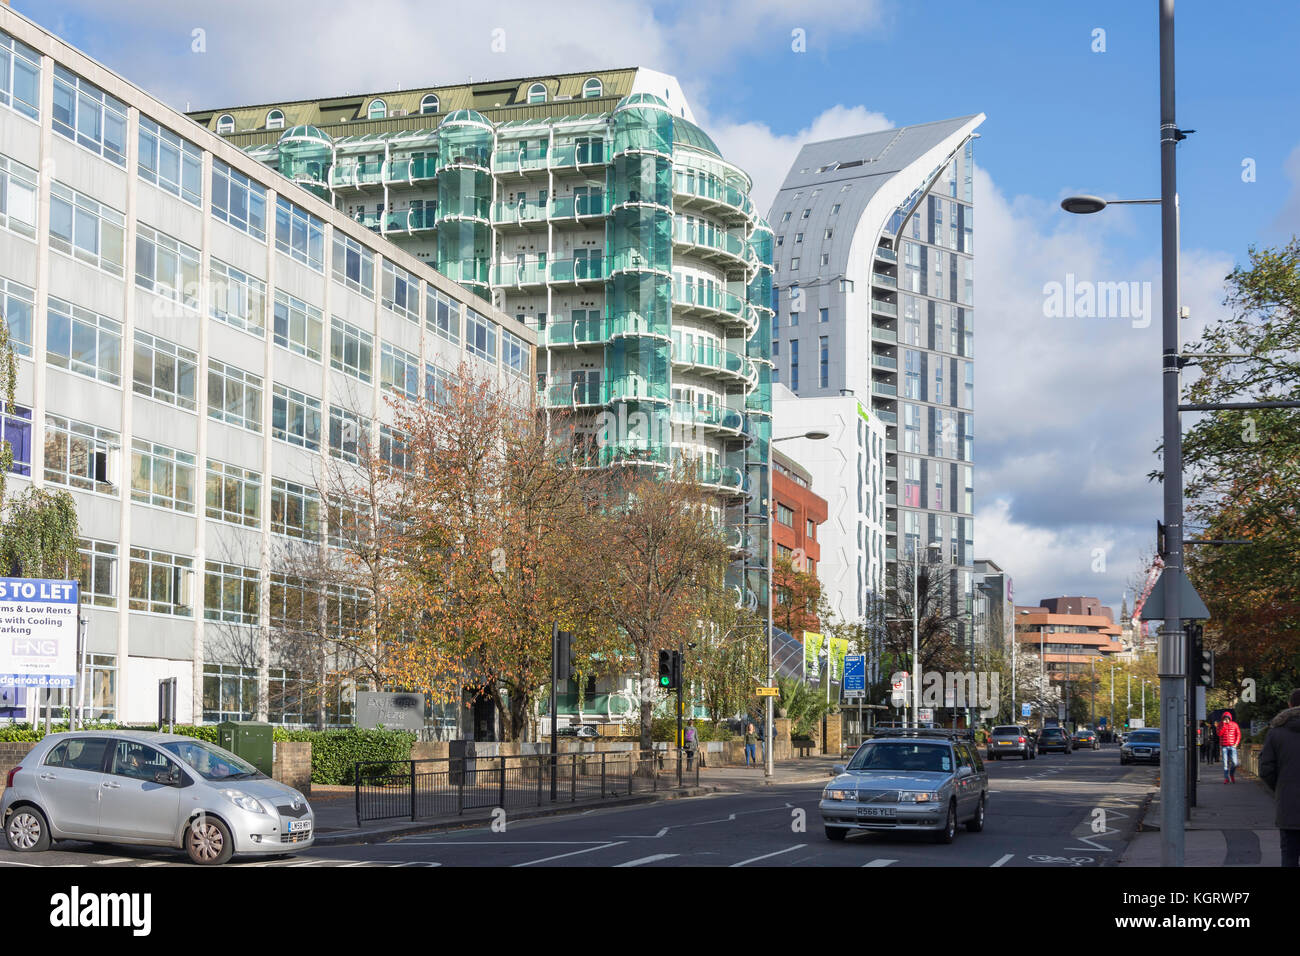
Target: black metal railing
451,786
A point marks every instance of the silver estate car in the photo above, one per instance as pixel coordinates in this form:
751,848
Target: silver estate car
912,779
150,789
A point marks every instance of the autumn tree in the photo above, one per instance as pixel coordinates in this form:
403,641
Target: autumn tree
798,604
645,558
730,656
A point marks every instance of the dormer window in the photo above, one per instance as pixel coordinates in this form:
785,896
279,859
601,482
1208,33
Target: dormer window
225,123
537,93
429,104
378,110
593,87
275,119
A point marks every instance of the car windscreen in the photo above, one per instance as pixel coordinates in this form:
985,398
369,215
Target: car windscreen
1053,732
1006,731
211,762
1144,737
903,756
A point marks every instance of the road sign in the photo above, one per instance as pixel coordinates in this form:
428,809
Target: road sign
1137,723
925,713
853,694
1024,710
855,673
768,691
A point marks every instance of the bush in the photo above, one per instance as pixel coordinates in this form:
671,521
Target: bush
334,753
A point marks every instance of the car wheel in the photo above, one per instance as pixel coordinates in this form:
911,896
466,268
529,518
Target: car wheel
949,831
976,823
28,831
208,842
837,834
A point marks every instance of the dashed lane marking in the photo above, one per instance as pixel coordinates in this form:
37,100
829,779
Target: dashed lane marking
1004,859
755,859
561,856
647,859
880,863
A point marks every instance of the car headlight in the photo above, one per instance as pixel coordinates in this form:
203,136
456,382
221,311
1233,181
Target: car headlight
839,794
243,801
1126,749
917,796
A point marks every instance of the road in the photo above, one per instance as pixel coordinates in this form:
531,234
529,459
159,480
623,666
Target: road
1076,810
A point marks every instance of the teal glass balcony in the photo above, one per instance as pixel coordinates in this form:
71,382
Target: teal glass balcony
572,155
891,445
881,360
882,334
357,175
726,419
528,272
891,554
888,255
411,220
516,159
881,279
882,388
411,169
635,452
576,207
886,416
707,355
579,332
518,214
891,527
713,244
891,473
696,185
710,299
632,388
883,307
589,269
891,499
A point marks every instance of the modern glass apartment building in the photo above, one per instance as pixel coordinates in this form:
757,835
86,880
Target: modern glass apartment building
874,270
591,208
197,337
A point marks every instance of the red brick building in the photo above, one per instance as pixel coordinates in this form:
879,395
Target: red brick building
797,511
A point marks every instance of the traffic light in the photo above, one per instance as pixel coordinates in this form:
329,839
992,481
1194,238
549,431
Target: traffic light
1206,674
665,669
677,669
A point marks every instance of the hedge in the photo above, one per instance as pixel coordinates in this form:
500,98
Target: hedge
333,752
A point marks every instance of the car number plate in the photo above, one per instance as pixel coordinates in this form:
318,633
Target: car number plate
1004,743
876,812
299,826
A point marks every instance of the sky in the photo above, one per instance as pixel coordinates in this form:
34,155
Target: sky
1067,409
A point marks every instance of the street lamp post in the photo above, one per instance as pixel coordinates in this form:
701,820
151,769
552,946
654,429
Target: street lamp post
812,435
916,631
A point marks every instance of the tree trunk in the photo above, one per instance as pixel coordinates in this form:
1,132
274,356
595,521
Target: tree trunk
648,682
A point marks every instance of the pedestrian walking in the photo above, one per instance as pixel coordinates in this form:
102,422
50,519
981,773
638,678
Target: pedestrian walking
691,742
1229,738
762,741
1279,767
1214,742
749,745
1206,745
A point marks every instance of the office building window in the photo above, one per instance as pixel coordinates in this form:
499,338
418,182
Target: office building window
437,384
299,235
98,572
349,434
400,371
295,510
18,190
159,582
162,476
480,336
86,229
20,77
442,315
238,299
393,448
354,265
297,326
165,371
230,593
400,292
295,418
233,494
229,692
84,342
234,396
592,87
80,455
16,431
172,164
17,303
824,361
349,522
238,201
351,349
823,315
514,354
785,515
794,365
88,116
166,266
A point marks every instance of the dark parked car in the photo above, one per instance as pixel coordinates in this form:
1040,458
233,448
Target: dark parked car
1054,738
1012,740
1141,746
1083,737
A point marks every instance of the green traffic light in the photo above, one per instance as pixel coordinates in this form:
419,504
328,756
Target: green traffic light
664,681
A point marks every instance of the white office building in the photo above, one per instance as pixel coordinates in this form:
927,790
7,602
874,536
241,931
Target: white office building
196,336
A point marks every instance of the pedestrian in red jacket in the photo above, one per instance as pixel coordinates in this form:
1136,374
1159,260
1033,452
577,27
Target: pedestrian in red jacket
1229,737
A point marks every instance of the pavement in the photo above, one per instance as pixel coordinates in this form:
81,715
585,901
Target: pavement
336,820
1231,825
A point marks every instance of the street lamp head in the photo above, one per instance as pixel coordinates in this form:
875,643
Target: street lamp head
1083,205
816,435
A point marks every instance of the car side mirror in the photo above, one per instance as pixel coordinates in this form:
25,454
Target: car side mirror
839,768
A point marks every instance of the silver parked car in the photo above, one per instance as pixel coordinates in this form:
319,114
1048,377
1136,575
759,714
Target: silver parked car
150,789
908,779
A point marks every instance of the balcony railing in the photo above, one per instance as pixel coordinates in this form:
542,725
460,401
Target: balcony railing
575,207
726,418
881,360
411,220
513,160
888,255
410,170
712,239
531,271
709,297
883,307
574,332
881,334
883,388
711,356
517,213
880,278
568,155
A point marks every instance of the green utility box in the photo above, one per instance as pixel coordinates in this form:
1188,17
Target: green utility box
250,739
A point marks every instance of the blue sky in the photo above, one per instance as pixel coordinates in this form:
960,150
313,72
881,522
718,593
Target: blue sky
1067,410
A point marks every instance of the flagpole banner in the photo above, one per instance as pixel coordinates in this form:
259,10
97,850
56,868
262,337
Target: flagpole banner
38,632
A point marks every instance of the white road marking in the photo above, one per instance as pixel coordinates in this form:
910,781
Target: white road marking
1004,859
643,836
547,859
113,859
156,863
16,863
880,863
647,859
358,863
500,842
755,859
